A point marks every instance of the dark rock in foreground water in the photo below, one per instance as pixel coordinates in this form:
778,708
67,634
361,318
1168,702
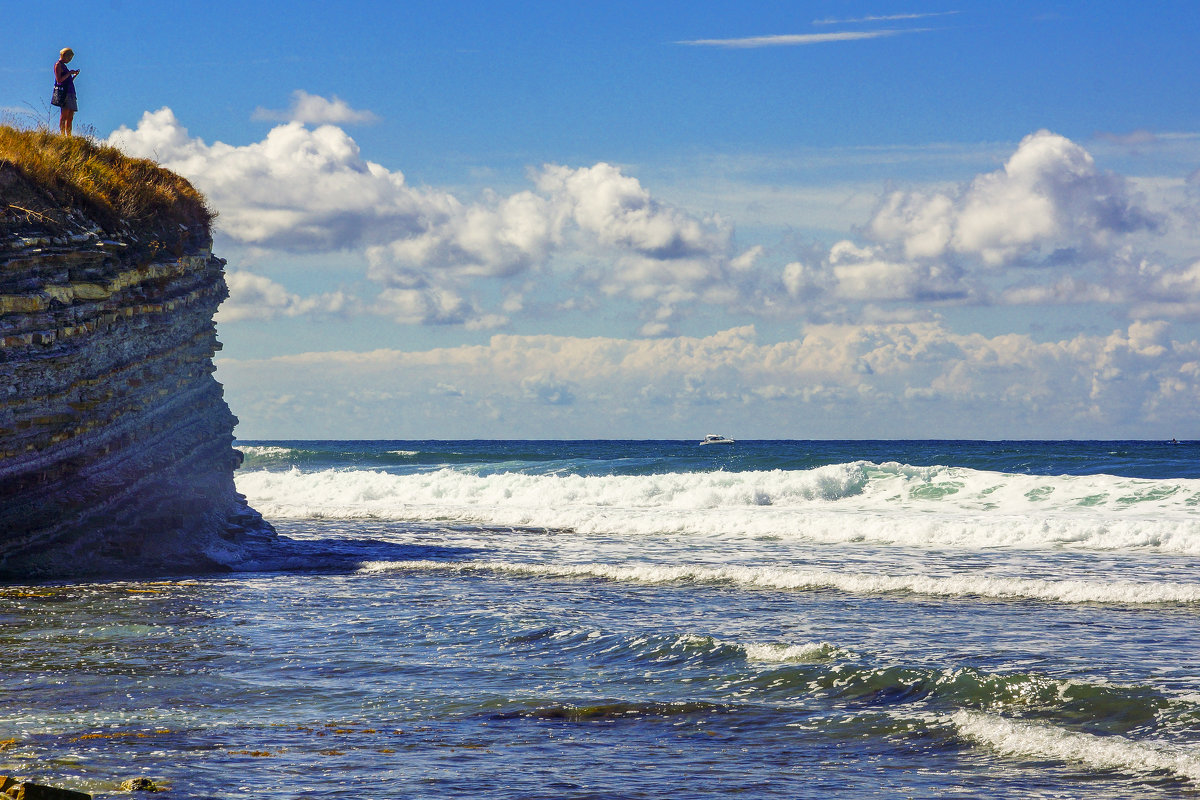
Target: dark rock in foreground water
14,789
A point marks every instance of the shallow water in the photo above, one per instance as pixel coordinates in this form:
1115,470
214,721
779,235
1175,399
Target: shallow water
545,620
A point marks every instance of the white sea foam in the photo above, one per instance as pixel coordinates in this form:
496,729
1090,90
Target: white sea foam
265,451
772,652
791,653
1040,742
889,503
967,585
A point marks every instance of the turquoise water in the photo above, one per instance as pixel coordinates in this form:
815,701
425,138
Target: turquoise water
647,619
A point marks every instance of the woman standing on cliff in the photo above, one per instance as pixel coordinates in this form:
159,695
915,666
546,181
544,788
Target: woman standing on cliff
64,90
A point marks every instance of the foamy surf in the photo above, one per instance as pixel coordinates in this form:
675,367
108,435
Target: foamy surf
773,653
265,451
791,579
760,652
856,502
1041,742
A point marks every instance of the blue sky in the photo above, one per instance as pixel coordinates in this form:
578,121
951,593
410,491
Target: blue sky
826,219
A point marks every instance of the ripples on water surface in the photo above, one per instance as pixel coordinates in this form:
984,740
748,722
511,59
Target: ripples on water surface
541,620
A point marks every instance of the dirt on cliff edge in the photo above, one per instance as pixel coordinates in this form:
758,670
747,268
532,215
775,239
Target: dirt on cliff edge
26,208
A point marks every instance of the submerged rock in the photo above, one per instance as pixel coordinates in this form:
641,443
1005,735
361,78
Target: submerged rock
116,444
141,785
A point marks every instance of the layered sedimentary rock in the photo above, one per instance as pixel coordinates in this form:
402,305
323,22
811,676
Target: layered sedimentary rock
116,445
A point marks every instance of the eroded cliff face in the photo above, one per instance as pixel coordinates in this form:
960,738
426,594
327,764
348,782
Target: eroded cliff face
116,445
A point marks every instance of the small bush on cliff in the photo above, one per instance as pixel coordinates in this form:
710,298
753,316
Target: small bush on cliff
102,182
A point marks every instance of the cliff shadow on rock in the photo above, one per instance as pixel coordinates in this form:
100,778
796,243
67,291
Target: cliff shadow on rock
116,444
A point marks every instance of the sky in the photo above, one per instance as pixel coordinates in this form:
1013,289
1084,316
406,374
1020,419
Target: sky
838,219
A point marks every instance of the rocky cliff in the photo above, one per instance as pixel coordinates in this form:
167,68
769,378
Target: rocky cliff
116,445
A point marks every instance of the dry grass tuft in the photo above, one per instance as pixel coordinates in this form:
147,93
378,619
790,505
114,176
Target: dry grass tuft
102,182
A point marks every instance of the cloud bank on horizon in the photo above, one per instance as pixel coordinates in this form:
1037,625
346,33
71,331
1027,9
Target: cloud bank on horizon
920,380
1049,228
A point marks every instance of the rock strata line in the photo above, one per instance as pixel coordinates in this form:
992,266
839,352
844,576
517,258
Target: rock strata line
116,444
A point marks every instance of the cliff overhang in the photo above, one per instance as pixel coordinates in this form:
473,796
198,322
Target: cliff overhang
116,444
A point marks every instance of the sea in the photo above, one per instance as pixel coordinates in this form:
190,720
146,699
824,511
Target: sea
645,619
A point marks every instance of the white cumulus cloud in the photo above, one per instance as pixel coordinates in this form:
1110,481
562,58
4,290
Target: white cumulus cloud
312,109
256,297
1049,199
300,189
1049,227
309,189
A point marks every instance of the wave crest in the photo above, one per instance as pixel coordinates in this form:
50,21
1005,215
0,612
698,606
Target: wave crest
799,579
1041,742
859,501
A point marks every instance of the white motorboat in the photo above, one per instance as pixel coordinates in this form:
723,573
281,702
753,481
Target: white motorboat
714,438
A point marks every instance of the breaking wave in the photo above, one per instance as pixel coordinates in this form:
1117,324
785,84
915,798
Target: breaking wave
783,578
968,702
853,502
1045,742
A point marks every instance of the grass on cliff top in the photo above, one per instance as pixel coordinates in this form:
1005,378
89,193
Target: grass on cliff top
102,182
